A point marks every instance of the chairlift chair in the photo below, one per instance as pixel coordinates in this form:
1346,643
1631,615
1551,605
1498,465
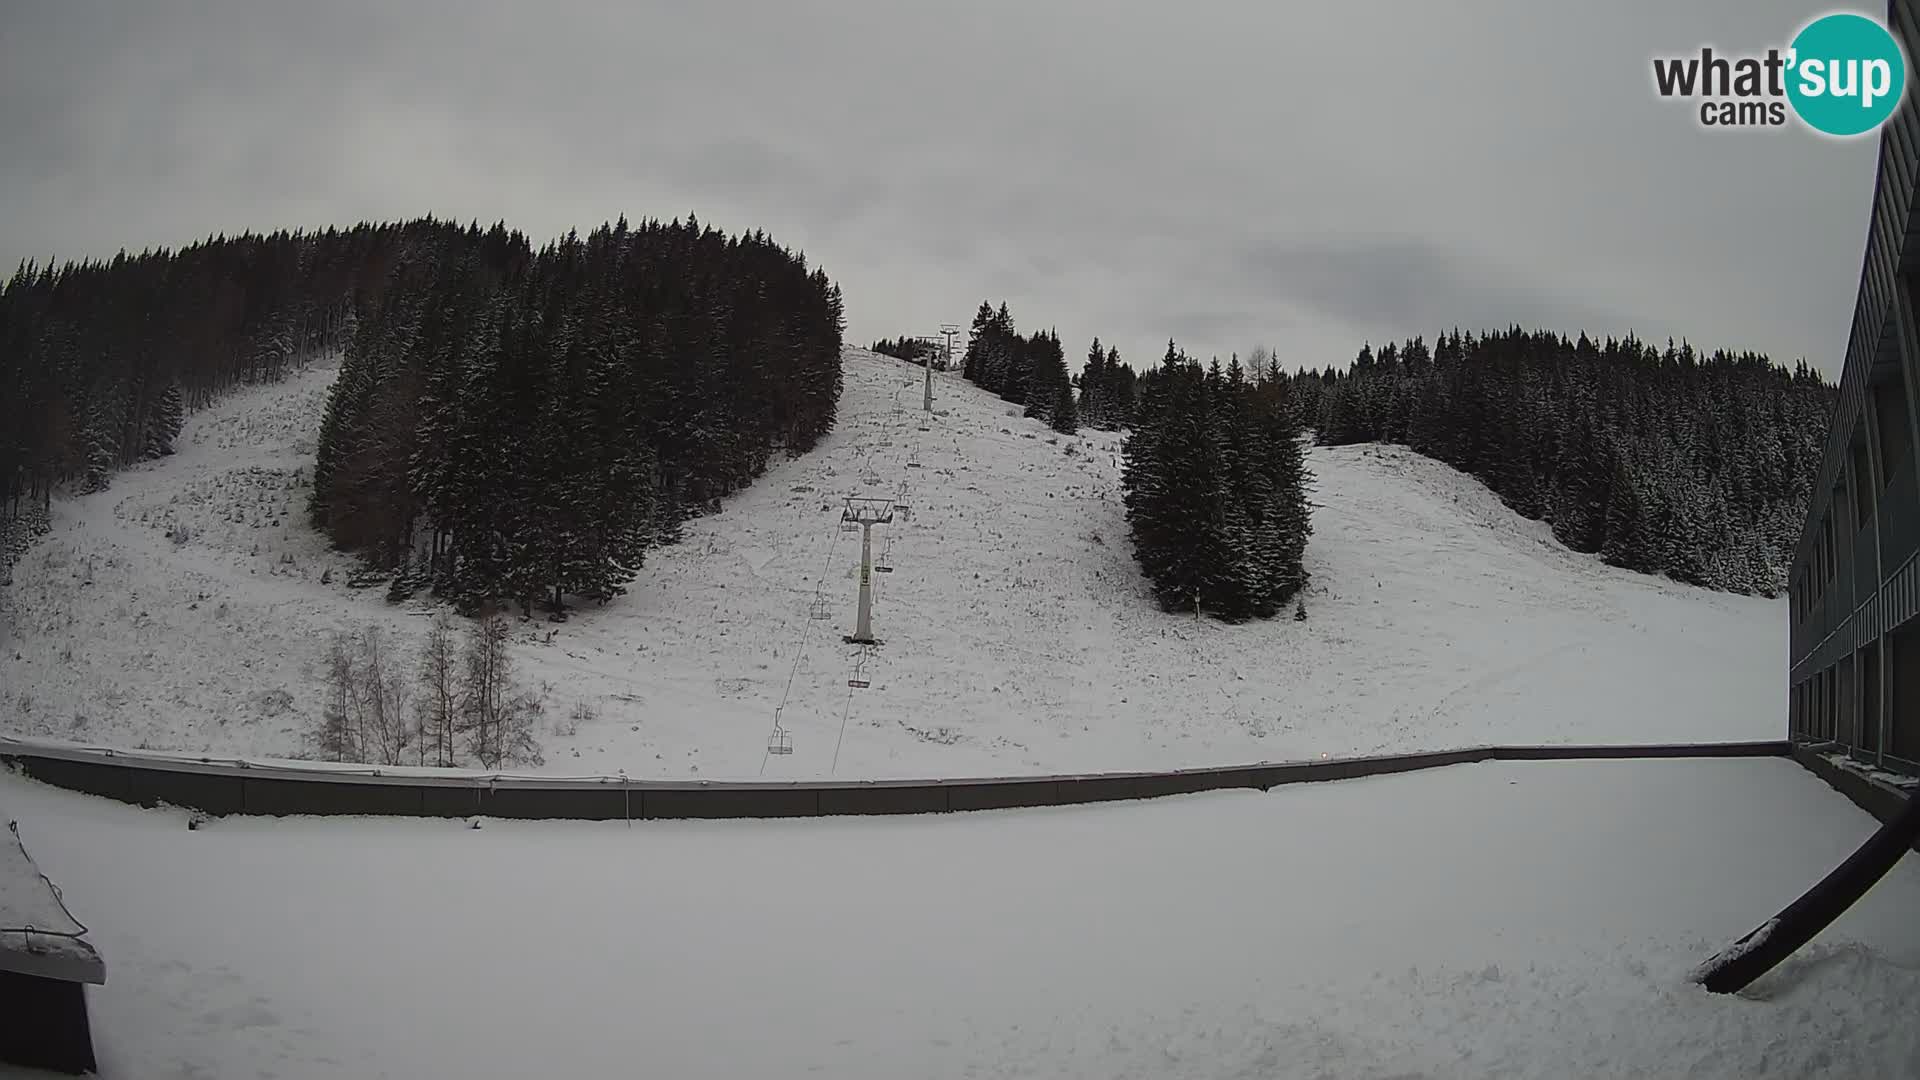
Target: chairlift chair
780,742
819,609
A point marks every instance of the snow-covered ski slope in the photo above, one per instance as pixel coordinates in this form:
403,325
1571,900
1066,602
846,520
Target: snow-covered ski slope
184,609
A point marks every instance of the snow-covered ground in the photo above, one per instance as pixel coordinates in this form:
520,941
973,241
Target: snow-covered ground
1496,920
1018,634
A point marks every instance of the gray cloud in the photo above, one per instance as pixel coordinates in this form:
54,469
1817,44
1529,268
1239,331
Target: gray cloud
1411,288
1231,173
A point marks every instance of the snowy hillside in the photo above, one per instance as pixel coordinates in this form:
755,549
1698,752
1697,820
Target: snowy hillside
185,608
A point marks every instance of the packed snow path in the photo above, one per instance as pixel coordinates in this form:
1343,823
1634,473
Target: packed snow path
1502,920
184,609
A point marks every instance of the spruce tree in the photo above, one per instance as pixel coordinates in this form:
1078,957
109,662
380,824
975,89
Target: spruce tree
1093,409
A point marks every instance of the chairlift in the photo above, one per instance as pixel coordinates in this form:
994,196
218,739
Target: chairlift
859,684
819,609
849,525
780,742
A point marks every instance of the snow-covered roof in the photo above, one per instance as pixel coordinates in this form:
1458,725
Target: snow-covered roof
38,934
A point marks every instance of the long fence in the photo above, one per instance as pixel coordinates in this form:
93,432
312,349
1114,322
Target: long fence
231,786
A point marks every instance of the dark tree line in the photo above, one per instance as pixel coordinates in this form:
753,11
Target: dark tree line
1662,461
521,426
1107,390
1215,488
100,361
909,349
1030,371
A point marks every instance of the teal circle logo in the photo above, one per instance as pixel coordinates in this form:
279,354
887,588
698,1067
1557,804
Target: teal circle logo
1846,74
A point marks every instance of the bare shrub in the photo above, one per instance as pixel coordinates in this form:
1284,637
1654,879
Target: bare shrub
581,713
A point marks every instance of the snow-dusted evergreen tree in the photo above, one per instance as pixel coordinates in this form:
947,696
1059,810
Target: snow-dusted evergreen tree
1093,407
1106,389
1028,371
1162,481
1215,491
1121,390
101,360
1049,389
1661,460
909,349
534,421
163,427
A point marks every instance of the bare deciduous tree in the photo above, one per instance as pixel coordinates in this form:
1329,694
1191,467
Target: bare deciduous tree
499,717
365,715
439,711
336,736
386,732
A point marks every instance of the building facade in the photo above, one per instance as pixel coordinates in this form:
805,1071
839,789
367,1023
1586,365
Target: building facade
1855,585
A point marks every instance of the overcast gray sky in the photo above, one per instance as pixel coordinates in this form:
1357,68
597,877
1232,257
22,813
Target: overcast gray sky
1227,172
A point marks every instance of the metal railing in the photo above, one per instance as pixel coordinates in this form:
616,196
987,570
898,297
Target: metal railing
234,786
